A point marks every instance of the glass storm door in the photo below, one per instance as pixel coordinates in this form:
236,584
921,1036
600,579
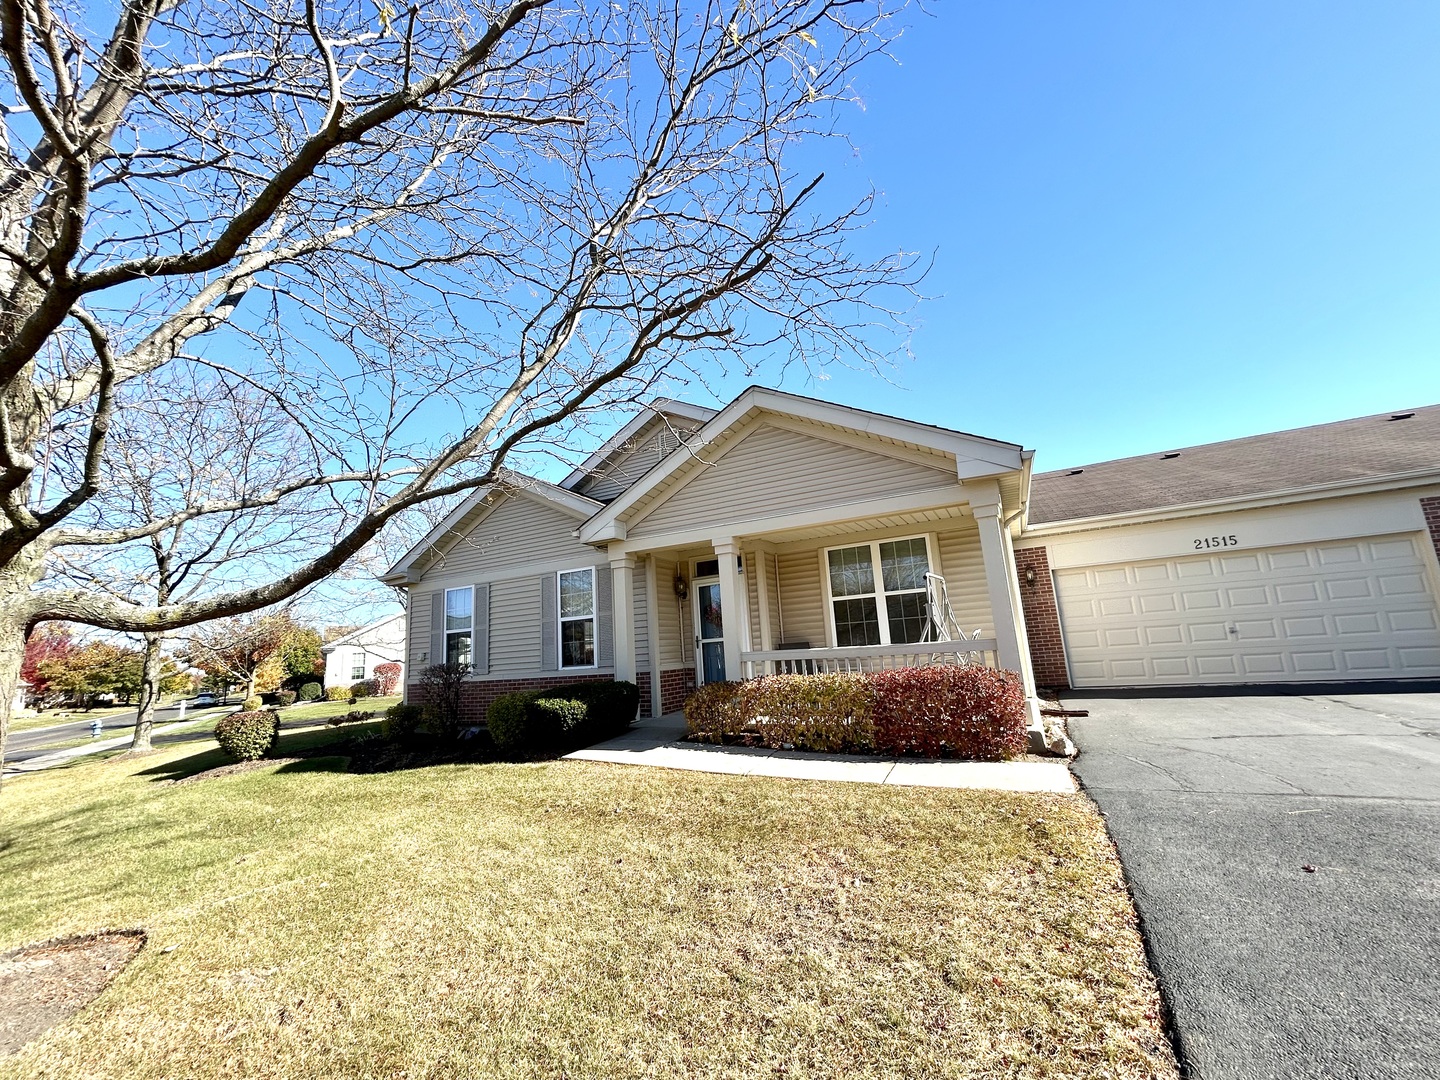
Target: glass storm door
709,633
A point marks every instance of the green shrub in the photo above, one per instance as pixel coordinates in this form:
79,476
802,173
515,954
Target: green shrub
311,691
363,689
553,721
249,735
284,698
961,712
251,704
337,693
400,721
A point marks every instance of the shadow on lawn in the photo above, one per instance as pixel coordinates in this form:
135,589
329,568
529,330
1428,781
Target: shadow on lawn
352,749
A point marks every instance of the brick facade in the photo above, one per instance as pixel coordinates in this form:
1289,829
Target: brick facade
675,686
1042,619
476,696
1431,509
642,680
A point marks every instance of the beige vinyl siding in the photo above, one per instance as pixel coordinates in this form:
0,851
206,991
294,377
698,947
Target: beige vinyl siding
676,650
418,638
515,627
648,447
519,532
753,562
802,598
774,470
642,621
963,567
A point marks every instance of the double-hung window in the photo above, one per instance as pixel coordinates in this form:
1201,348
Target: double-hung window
577,618
884,608
459,625
357,667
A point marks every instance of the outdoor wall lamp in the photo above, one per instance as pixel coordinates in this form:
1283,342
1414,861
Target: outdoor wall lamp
1030,577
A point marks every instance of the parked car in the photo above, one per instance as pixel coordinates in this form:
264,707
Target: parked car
205,697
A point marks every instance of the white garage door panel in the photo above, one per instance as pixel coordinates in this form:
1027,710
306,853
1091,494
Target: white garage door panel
1347,610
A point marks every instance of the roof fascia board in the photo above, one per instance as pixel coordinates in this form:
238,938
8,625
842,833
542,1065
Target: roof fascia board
1393,482
758,398
654,410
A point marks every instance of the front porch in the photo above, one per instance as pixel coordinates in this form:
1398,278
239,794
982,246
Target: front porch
929,587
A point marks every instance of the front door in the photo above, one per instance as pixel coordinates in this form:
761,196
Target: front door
709,632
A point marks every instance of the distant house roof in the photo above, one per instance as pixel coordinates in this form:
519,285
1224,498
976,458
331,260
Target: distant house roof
1366,448
354,635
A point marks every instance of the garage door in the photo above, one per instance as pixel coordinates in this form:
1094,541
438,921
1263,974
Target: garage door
1337,611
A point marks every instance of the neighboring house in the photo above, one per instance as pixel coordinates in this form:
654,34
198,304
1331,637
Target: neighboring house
352,658
783,533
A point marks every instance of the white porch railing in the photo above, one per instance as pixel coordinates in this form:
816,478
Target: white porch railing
861,658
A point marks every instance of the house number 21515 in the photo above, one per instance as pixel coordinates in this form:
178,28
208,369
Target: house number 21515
1203,542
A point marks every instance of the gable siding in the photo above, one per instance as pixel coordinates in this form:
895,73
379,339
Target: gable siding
519,532
622,468
774,471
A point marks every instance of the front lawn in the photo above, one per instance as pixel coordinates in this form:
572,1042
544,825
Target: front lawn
574,919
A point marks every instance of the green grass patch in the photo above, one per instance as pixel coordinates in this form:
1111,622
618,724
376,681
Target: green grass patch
321,711
574,919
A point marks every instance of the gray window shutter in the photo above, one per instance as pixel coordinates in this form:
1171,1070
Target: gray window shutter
437,627
549,623
604,619
480,639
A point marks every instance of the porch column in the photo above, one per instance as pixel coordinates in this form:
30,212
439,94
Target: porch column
622,599
1003,606
732,604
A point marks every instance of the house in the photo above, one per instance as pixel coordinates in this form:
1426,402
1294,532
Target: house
353,657
782,533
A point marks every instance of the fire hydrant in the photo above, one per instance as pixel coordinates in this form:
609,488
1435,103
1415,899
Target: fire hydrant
95,728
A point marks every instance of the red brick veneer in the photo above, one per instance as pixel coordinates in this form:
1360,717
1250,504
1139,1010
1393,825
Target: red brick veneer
675,686
475,697
642,680
1042,619
1431,509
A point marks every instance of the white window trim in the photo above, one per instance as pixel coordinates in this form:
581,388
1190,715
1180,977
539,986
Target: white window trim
357,663
561,620
445,618
931,558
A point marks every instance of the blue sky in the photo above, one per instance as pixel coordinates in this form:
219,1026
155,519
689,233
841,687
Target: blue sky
1156,224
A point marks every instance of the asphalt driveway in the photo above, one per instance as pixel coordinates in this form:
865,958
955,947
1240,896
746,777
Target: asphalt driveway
1218,806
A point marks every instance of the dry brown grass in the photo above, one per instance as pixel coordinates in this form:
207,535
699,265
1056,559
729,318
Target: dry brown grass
580,920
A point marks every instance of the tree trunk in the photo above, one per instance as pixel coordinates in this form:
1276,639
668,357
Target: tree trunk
149,693
17,579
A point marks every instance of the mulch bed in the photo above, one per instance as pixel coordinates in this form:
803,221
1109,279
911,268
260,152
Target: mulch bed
232,770
42,984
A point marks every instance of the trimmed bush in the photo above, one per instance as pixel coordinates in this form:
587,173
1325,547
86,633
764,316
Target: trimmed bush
553,721
248,735
311,691
354,716
387,679
251,704
958,712
284,698
337,693
400,721
362,689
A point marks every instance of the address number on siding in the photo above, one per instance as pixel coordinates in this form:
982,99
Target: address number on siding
1203,543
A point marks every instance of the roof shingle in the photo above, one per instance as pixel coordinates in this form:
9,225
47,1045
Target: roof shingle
1367,447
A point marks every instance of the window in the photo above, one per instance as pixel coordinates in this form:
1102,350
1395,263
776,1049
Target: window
577,618
887,611
459,623
357,668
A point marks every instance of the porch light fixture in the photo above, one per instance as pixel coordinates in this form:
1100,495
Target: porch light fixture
1030,577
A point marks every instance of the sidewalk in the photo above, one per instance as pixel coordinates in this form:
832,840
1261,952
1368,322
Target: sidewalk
97,746
658,743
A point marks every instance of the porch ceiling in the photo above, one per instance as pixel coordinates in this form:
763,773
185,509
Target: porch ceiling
919,518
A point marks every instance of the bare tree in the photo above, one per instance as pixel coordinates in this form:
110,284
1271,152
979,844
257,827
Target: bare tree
437,239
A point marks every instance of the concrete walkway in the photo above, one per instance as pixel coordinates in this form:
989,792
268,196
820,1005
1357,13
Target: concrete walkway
658,743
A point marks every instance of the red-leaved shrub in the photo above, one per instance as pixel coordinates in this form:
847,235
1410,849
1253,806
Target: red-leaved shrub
955,712
959,712
387,679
